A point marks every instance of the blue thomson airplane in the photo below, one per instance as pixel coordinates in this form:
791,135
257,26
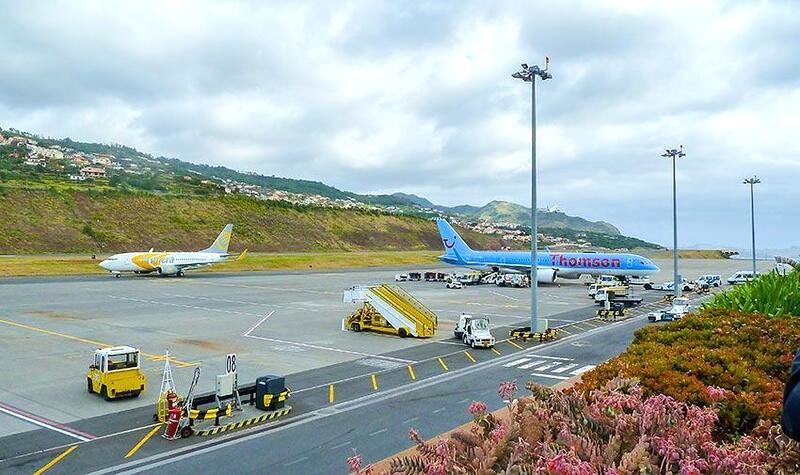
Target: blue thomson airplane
569,265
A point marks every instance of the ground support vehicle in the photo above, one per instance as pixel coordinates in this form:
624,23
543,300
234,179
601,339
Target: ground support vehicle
367,318
646,282
711,280
475,332
414,276
389,309
116,373
454,285
618,294
679,309
401,277
686,286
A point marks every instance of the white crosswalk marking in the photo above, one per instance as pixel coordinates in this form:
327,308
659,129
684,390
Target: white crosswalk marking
564,368
515,362
532,364
548,366
559,358
582,369
544,375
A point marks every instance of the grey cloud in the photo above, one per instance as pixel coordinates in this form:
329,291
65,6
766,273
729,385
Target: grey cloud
417,97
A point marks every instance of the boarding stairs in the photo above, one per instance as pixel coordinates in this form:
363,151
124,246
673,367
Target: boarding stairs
397,306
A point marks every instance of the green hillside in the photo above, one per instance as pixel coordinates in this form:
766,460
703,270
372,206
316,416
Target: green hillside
49,220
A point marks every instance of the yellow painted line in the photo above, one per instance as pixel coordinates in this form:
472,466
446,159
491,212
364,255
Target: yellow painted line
441,362
514,344
331,394
99,344
466,353
411,373
55,460
496,352
139,444
374,382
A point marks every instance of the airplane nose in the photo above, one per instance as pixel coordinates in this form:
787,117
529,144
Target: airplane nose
105,265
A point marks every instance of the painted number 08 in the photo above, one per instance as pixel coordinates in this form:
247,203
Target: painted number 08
230,363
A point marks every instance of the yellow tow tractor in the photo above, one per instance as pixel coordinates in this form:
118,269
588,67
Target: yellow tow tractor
116,373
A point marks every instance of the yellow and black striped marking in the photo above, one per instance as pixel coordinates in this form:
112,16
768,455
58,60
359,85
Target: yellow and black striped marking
246,422
525,334
210,413
282,396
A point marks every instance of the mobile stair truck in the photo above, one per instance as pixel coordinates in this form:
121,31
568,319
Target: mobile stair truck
388,309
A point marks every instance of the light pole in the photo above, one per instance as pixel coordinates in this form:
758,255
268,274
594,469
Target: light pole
753,181
528,74
676,282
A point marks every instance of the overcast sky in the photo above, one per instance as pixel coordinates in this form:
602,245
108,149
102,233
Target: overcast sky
378,97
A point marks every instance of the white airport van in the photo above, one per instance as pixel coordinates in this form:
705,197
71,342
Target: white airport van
711,280
741,277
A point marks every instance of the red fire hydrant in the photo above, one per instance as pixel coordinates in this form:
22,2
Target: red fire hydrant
171,398
173,422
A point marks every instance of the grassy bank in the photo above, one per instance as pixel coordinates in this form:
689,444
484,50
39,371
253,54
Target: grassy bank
687,254
73,264
62,221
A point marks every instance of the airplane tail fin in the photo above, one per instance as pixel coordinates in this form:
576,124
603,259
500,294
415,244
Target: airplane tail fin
454,245
220,245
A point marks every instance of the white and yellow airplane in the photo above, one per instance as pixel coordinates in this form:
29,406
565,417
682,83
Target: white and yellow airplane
172,263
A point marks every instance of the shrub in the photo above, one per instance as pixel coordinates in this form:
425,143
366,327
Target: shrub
747,354
772,294
613,430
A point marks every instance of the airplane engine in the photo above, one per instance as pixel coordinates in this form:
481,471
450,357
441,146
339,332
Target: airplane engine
546,275
168,269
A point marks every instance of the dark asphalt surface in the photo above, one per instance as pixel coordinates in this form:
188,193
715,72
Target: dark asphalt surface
319,436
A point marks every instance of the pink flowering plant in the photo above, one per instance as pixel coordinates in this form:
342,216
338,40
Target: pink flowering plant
616,429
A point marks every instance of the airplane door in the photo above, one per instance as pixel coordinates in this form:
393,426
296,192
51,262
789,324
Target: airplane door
630,263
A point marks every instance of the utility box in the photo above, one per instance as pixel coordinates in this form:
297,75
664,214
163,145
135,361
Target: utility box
226,383
269,390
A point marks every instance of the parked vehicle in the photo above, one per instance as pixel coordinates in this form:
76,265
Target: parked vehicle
741,277
514,280
400,277
461,324
712,280
618,294
470,279
116,372
454,284
607,280
680,307
686,286
644,281
476,332
414,276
